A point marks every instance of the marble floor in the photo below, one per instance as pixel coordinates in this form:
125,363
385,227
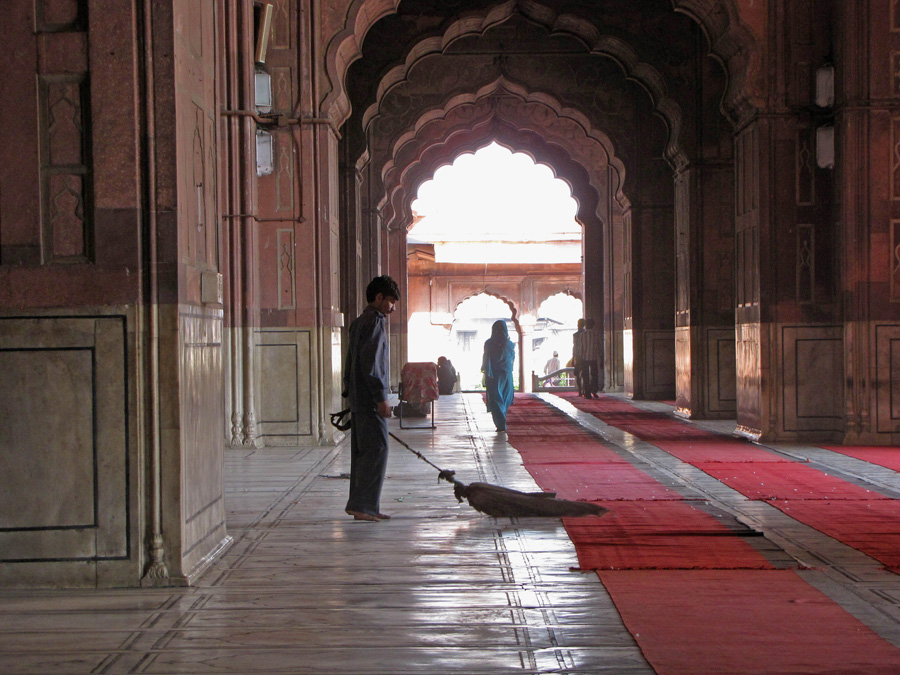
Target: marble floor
439,588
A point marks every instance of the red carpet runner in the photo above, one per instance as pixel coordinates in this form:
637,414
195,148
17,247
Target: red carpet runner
861,518
697,596
888,457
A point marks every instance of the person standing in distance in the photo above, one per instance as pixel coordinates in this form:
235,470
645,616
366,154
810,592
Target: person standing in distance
578,357
590,352
497,364
366,385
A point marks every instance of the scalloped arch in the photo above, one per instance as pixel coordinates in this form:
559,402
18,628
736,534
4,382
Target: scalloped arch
417,154
620,51
397,205
509,303
730,40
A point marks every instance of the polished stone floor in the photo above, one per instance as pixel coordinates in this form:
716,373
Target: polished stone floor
439,588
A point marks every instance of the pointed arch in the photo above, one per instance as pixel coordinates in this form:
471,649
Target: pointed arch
729,30
535,123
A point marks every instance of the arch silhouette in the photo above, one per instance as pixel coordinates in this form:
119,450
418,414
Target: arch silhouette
731,41
554,136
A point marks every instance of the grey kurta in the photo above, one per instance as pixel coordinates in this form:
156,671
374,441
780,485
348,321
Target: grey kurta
366,383
366,375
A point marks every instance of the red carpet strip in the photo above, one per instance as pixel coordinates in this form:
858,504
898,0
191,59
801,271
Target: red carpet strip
650,527
855,516
660,535
886,456
748,622
650,552
772,481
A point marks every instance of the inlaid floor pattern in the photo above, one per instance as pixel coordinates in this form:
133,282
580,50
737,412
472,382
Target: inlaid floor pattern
439,588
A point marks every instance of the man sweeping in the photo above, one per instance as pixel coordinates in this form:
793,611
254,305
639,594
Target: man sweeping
366,385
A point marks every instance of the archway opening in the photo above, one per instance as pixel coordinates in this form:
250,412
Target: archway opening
471,326
557,320
496,206
494,224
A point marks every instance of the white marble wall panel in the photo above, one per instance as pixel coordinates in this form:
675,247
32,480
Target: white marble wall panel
286,383
659,349
202,411
887,373
813,372
721,370
63,448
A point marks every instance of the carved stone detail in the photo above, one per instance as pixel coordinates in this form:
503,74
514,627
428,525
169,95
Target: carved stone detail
895,158
806,173
895,261
64,169
806,246
286,281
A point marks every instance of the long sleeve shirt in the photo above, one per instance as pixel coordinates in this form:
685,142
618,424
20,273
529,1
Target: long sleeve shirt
366,369
590,345
577,348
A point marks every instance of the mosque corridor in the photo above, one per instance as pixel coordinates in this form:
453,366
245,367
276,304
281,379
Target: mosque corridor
439,588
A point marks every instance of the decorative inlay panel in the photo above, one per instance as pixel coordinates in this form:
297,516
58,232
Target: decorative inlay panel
284,173
895,261
286,277
806,246
805,174
65,168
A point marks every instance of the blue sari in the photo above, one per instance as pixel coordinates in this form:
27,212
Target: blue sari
497,364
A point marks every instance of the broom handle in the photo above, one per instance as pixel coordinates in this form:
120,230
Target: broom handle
417,453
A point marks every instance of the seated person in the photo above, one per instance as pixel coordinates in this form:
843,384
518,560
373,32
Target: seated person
407,409
446,376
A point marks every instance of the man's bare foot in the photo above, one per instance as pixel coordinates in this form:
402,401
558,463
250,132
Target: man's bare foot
359,515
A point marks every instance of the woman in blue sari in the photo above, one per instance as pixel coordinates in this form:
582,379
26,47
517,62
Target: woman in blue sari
499,354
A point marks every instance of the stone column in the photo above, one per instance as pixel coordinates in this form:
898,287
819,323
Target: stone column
867,177
527,323
789,344
704,306
649,336
397,263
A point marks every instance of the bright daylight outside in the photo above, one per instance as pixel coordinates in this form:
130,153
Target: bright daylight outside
495,213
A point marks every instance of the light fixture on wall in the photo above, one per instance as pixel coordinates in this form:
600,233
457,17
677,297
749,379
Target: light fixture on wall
825,86
265,153
825,147
825,102
262,15
263,91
